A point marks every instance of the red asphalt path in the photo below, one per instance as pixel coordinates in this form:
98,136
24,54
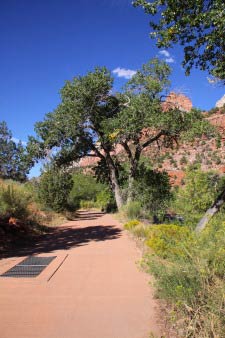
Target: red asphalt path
93,289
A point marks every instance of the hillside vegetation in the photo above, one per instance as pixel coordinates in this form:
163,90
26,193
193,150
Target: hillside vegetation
189,268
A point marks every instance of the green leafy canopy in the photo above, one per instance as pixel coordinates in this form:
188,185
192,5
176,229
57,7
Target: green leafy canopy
92,120
14,162
198,25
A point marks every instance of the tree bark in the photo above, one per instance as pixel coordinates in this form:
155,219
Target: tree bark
116,188
130,188
211,212
134,161
131,178
112,174
133,171
114,181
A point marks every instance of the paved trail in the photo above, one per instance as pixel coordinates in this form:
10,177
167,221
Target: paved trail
93,289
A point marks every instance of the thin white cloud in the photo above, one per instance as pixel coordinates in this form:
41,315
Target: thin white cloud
164,53
167,56
170,60
123,72
16,140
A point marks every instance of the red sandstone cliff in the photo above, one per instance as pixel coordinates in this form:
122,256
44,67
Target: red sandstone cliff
180,101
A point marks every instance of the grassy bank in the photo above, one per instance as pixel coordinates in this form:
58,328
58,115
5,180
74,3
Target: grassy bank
189,273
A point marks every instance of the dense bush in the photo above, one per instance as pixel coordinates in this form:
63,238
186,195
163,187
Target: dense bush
54,188
168,239
152,189
132,210
131,224
141,231
87,191
198,194
14,200
104,200
84,204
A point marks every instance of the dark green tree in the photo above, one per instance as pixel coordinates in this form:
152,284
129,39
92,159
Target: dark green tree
197,25
152,188
13,159
54,188
92,121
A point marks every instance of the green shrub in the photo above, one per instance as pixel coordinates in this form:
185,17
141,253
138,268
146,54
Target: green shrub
165,239
86,188
183,160
141,231
133,209
88,204
105,200
218,141
176,283
152,189
54,188
14,200
131,224
198,194
212,240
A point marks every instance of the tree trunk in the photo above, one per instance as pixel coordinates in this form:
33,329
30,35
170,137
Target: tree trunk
116,188
114,182
130,188
131,179
133,172
211,212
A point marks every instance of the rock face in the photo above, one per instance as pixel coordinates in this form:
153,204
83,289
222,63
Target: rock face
218,120
175,100
221,102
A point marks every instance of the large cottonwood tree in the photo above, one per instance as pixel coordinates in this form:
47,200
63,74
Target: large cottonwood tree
92,120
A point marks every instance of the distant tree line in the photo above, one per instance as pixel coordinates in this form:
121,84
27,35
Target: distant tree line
14,163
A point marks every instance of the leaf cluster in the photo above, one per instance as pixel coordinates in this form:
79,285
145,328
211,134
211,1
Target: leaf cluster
54,188
198,194
14,163
152,188
198,25
73,128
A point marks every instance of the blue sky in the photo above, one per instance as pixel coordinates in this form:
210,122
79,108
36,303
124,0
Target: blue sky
45,42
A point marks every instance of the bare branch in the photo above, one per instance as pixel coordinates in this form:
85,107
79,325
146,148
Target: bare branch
153,139
127,149
97,152
126,104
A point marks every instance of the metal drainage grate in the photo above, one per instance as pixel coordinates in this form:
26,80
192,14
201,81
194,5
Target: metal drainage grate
29,267
34,260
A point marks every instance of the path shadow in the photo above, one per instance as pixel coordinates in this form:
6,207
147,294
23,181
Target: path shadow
62,238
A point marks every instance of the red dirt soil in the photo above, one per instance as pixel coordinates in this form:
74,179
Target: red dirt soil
93,289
